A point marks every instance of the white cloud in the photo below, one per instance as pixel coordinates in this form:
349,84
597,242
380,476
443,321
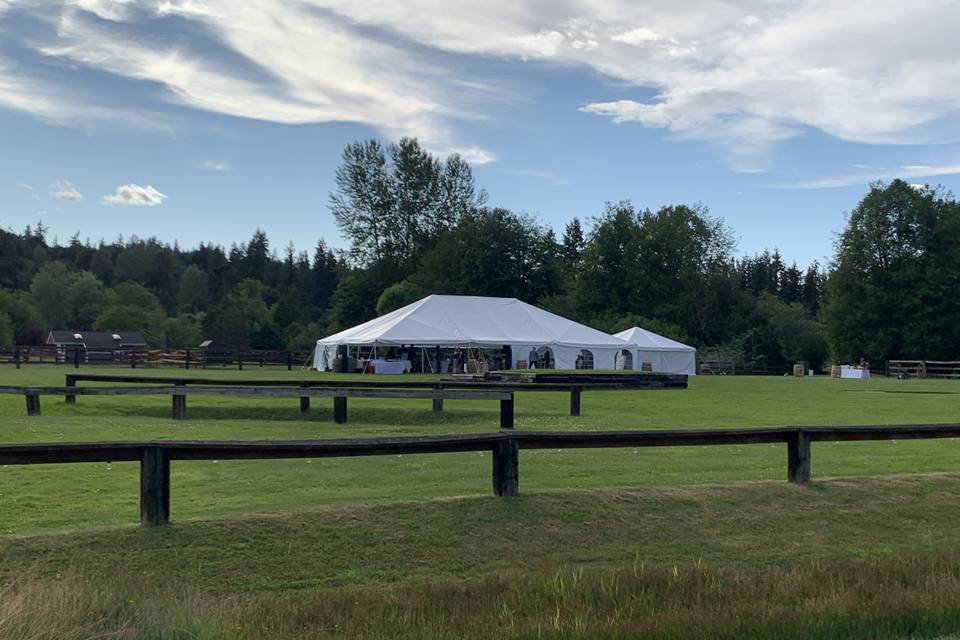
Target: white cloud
284,62
473,155
64,190
744,75
24,185
547,176
639,36
135,195
215,165
905,172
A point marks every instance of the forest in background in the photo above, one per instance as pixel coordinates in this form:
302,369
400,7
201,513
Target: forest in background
417,225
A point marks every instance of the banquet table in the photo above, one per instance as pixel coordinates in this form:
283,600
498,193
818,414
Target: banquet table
854,373
390,366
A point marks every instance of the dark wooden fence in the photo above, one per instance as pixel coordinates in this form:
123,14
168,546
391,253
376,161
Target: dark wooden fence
923,368
339,394
733,368
574,384
155,456
134,358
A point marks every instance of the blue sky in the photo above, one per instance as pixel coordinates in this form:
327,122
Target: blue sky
201,121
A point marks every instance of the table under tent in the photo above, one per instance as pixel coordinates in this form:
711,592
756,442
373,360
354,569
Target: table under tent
662,354
427,330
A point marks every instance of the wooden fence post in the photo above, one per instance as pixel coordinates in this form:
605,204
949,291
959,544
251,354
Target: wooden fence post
186,359
304,401
340,409
70,381
575,400
33,404
239,361
438,402
76,358
179,403
798,458
289,361
133,359
16,356
506,468
506,413
154,487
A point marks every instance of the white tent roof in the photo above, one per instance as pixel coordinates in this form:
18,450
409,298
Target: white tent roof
440,320
650,341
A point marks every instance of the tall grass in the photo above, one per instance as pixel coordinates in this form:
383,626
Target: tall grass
889,597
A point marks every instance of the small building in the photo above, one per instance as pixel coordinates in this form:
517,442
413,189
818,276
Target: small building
95,346
215,352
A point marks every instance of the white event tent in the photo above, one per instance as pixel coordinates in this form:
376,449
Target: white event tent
480,322
664,355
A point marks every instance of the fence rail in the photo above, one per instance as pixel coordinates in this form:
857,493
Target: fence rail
923,368
155,456
574,387
339,394
134,358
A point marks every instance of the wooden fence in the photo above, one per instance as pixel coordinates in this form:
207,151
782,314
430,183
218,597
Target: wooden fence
575,385
146,358
179,393
923,368
155,457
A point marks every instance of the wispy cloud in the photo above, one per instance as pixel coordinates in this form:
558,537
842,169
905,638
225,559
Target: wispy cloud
742,75
135,195
25,185
865,177
548,176
473,155
214,165
64,190
276,61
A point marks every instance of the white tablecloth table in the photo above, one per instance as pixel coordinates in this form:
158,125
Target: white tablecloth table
390,366
855,373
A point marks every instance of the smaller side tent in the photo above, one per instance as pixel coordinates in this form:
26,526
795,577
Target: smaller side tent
661,353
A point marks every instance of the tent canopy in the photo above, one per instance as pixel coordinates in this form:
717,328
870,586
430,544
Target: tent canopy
663,354
648,340
475,321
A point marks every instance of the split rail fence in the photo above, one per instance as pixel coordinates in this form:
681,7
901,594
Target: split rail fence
148,358
575,389
179,393
155,457
923,368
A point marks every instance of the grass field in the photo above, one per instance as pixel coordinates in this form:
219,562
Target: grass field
681,542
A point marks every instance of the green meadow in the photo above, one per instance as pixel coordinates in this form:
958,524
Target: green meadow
654,542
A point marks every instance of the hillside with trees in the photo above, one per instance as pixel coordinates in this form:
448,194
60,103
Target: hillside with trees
417,225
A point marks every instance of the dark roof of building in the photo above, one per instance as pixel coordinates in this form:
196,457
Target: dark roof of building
132,338
214,345
63,337
97,339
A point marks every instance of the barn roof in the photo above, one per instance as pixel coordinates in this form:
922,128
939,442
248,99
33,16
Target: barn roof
97,339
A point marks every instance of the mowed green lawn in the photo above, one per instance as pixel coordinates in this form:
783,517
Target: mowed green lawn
53,497
693,542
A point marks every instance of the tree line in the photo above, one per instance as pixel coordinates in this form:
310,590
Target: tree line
417,225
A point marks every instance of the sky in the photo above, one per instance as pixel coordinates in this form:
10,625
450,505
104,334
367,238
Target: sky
194,120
